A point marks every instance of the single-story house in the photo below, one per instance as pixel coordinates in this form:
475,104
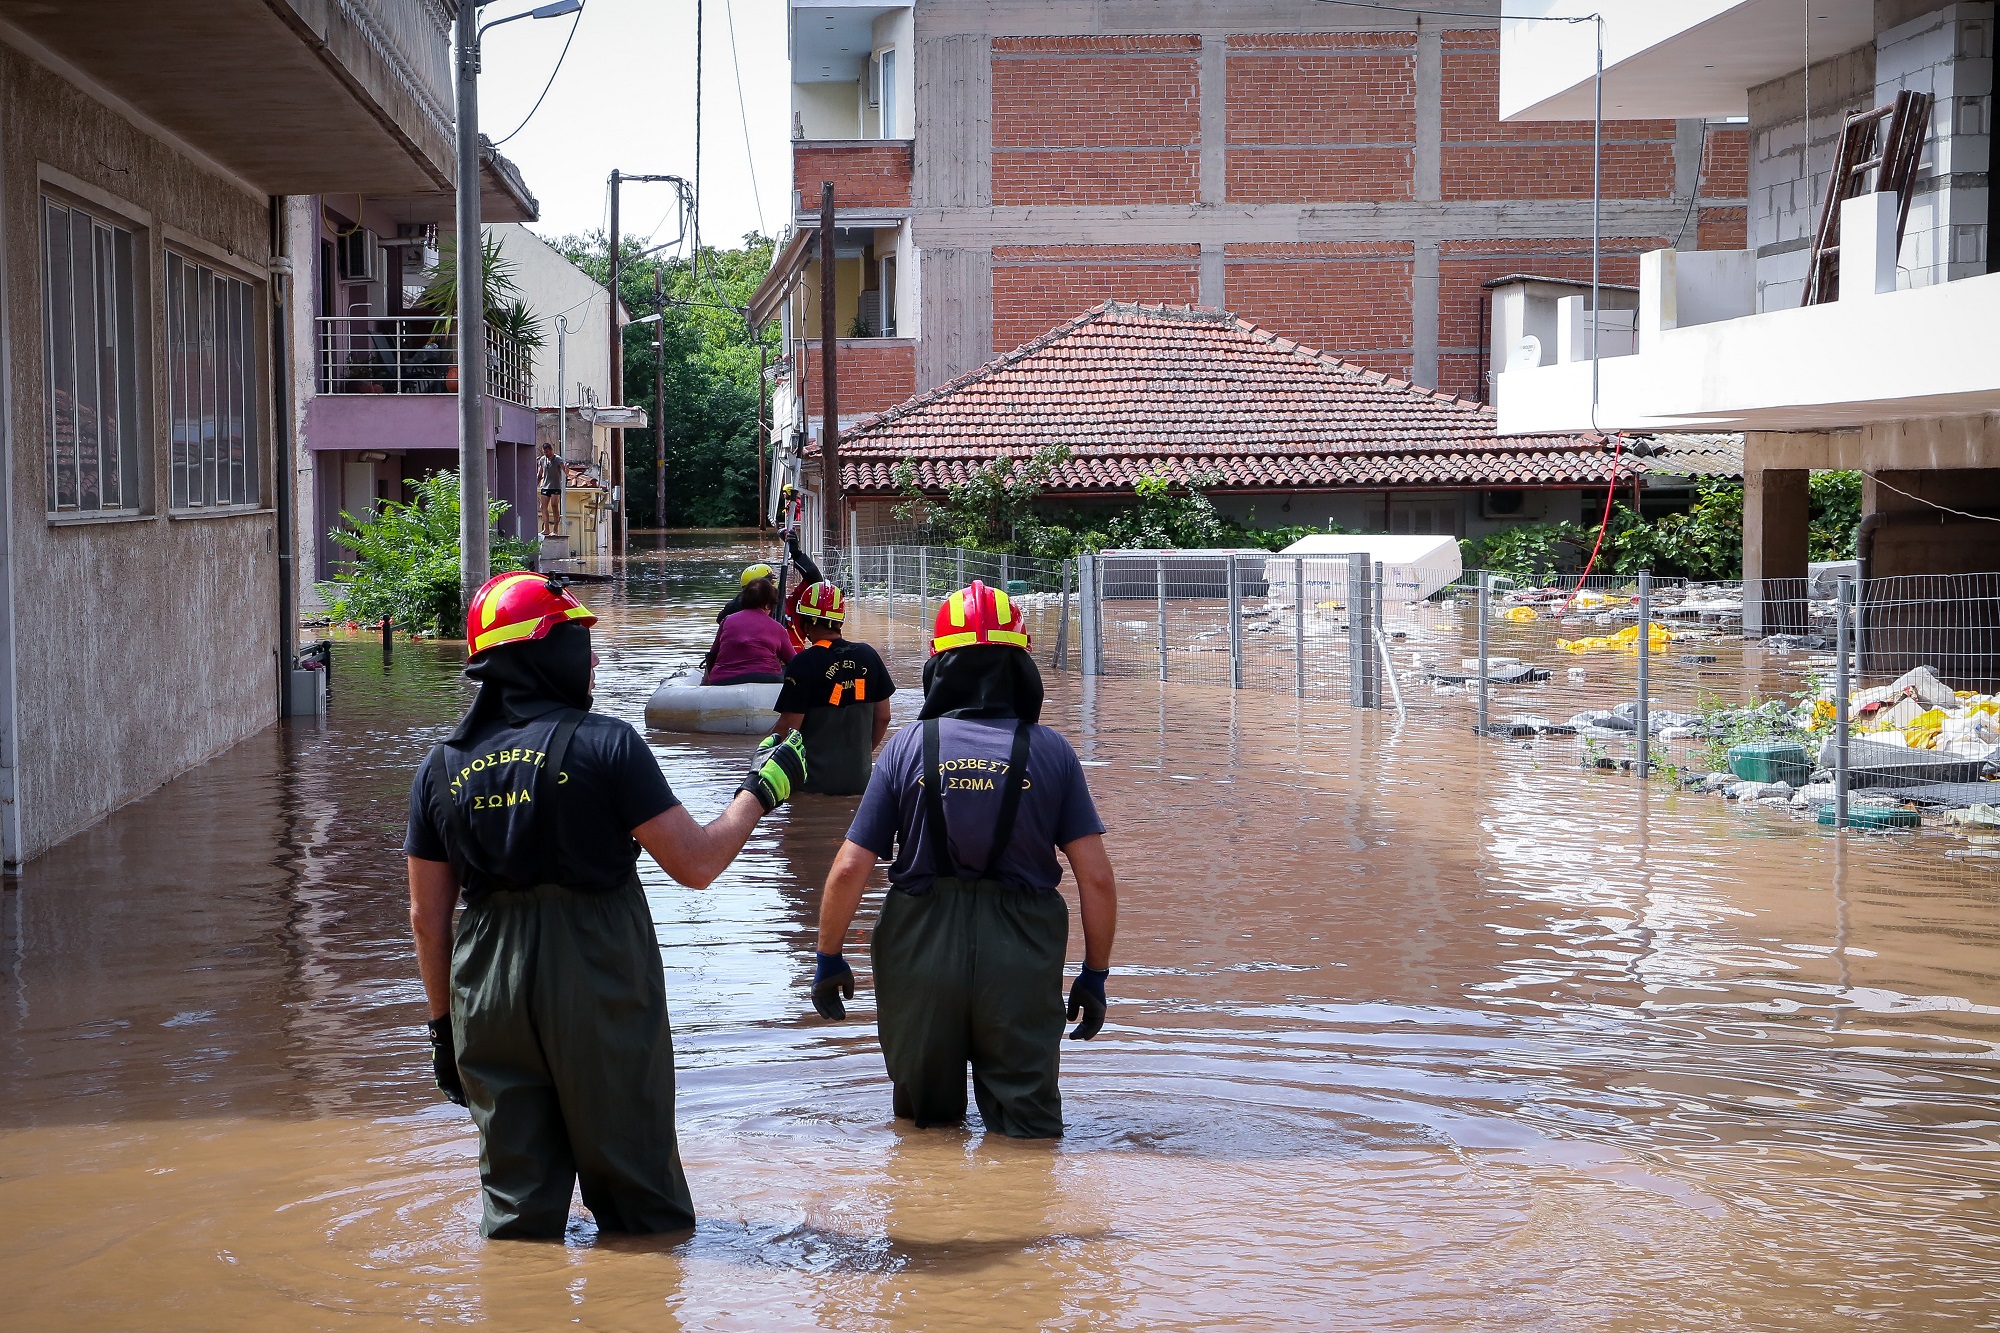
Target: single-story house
1272,429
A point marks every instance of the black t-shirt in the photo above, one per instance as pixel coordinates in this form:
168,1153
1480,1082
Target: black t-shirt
835,686
610,784
854,670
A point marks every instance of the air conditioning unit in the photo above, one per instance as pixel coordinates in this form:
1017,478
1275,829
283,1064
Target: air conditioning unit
360,256
1523,505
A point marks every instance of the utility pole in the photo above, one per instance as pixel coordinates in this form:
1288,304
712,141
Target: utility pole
617,385
660,400
829,330
475,559
618,525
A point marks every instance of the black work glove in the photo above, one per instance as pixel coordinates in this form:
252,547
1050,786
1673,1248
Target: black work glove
832,978
780,770
1086,997
444,1060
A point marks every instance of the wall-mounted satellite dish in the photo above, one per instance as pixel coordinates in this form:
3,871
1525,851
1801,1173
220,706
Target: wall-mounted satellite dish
1528,351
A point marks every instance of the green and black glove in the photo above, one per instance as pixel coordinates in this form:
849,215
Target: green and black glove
780,770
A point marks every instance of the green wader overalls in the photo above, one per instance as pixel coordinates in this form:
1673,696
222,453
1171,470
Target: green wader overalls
559,1010
971,972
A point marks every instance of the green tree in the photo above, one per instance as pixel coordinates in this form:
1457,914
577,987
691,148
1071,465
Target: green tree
405,563
710,366
986,511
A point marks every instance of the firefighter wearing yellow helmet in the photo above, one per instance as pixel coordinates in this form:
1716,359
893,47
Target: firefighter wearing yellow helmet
973,805
836,695
548,1004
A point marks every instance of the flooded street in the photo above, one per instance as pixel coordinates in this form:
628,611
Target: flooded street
1406,1033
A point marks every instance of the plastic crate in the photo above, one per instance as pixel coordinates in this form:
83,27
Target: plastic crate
1873,817
1770,761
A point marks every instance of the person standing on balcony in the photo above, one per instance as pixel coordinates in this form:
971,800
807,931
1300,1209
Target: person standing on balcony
973,805
549,472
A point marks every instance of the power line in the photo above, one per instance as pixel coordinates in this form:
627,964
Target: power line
749,157
1983,518
552,78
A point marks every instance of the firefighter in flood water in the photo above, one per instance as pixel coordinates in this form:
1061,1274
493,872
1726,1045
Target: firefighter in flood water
548,1005
968,955
836,695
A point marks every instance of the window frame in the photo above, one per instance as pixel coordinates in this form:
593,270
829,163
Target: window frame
183,259
134,373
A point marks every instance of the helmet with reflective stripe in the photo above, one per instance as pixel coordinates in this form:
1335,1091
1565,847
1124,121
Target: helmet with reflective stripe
822,601
519,607
978,615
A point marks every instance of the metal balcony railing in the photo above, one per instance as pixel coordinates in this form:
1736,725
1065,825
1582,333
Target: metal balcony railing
414,354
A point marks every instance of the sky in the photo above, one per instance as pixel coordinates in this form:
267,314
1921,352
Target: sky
625,97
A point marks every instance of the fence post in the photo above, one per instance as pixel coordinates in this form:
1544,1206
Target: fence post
1642,720
960,572
1087,610
1160,604
1360,636
1006,571
889,574
1843,686
924,582
1299,627
1485,637
1062,625
1376,621
1235,627
854,535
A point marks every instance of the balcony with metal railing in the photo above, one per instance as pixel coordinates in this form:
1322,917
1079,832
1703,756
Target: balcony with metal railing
415,354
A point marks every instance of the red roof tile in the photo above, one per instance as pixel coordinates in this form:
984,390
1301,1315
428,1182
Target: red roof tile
1148,390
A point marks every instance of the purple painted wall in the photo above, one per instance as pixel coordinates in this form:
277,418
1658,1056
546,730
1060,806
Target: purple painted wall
405,421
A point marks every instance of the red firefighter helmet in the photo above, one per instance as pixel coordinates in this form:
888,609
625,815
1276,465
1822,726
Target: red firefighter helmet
975,615
519,607
822,601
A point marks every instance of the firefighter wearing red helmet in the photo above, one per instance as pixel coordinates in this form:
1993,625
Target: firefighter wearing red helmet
548,1003
836,695
971,807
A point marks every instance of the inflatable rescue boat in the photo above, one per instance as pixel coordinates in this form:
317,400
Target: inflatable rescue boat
683,703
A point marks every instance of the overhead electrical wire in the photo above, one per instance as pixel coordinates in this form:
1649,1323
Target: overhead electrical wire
749,157
564,55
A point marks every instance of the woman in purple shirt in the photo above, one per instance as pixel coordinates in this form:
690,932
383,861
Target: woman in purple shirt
751,648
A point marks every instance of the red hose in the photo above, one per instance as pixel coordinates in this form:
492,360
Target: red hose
1610,492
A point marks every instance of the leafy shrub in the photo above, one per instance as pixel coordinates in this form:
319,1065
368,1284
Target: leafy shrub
1836,514
405,563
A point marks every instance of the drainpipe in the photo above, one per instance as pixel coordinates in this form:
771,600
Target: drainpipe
282,288
1864,541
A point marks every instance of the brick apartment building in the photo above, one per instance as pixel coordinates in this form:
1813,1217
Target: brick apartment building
1337,175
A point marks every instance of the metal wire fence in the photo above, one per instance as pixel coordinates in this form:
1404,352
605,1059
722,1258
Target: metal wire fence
1873,703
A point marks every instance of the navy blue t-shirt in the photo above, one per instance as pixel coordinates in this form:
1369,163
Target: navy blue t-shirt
610,784
1055,809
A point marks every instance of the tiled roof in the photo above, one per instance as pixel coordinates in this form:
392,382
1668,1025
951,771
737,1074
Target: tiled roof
1148,390
1691,455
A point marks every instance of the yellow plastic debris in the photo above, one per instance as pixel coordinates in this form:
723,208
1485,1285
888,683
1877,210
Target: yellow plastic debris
1521,615
1624,641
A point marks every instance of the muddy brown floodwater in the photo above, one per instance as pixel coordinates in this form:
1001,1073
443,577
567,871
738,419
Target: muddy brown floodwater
1405,1034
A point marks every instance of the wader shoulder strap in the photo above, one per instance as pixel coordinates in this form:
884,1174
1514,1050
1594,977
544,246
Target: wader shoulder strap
1010,802
546,780
457,833
1010,799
